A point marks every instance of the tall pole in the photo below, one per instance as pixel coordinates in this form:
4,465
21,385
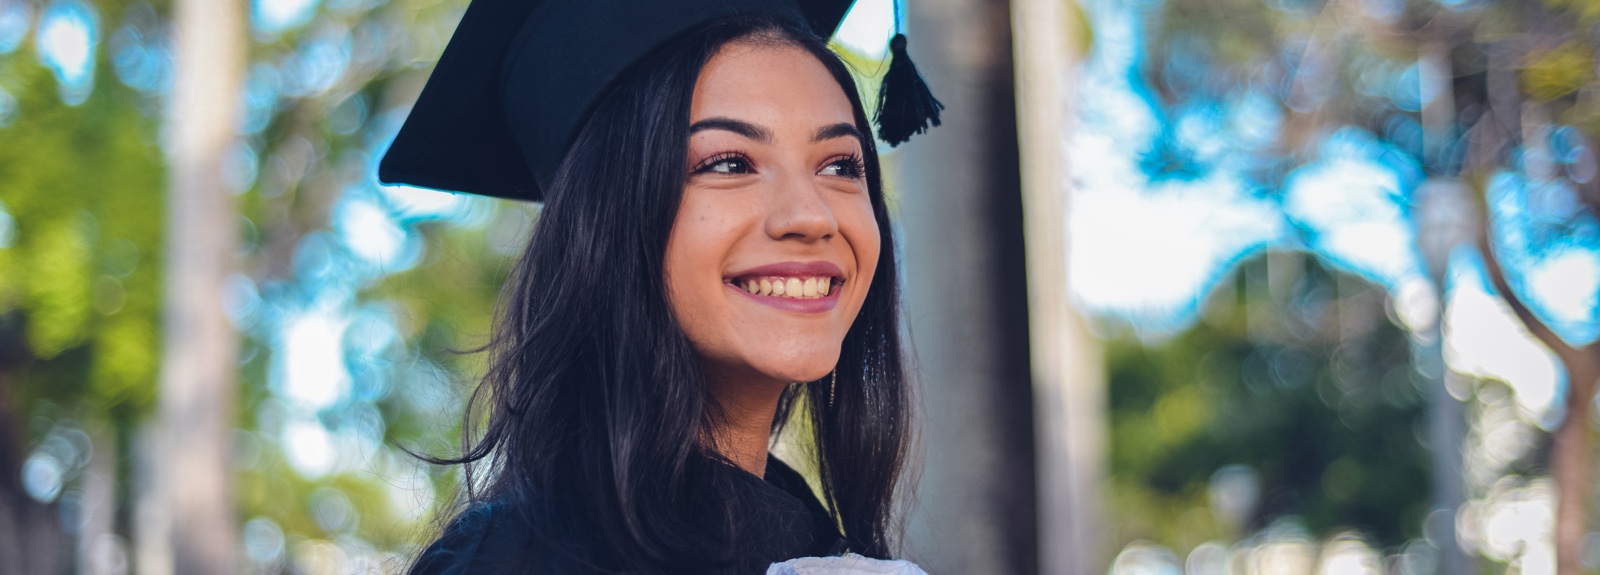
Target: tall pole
960,212
197,395
1445,425
1068,369
1444,216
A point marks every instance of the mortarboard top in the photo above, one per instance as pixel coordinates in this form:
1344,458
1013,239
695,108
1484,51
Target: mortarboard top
556,57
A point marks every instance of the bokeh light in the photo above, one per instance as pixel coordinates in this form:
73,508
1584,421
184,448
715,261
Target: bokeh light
15,17
67,39
276,16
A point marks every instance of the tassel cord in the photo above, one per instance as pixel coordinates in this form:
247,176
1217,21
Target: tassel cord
906,106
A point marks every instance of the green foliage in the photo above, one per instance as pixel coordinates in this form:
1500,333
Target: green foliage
1587,11
1553,73
448,303
1078,24
1300,378
449,298
84,185
1228,30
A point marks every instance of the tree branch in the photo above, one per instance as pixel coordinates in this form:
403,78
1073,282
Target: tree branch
1485,139
1497,275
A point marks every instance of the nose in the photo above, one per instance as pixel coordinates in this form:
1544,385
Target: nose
799,211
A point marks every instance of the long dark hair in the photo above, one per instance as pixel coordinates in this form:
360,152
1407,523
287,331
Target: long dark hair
594,410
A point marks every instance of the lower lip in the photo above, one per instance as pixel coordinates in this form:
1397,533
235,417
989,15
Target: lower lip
812,305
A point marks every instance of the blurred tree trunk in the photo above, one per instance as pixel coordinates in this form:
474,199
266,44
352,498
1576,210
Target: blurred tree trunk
197,394
1572,461
1571,454
31,539
1068,367
98,551
966,298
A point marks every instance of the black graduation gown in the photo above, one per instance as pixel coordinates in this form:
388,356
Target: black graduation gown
778,518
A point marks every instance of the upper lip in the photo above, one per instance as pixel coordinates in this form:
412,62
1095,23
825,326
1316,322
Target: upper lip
792,269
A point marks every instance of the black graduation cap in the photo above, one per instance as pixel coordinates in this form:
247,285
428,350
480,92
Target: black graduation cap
554,58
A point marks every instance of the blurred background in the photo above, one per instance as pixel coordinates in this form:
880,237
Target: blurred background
1194,286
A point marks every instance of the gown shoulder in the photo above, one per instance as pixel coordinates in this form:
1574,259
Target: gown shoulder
488,538
775,517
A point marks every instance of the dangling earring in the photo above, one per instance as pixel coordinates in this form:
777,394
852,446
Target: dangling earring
833,387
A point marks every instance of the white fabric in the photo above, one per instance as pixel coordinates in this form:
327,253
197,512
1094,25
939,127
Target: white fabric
850,564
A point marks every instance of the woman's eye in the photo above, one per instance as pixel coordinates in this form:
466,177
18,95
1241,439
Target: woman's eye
845,167
728,166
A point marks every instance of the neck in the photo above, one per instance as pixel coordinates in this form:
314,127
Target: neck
748,403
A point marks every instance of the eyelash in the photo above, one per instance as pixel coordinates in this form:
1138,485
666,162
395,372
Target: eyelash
855,165
705,166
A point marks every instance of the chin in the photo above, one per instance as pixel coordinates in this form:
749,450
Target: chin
799,375
799,368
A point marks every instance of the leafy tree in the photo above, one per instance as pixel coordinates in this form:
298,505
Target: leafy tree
1303,381
1491,97
80,280
82,191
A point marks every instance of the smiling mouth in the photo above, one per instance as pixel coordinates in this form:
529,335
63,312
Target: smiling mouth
791,287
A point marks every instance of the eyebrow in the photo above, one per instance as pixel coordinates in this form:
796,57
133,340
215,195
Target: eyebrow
839,130
763,135
739,127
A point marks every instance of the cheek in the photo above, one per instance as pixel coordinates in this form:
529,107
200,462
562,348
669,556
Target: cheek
700,240
866,245
679,267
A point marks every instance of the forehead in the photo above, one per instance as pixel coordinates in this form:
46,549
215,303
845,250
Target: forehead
770,85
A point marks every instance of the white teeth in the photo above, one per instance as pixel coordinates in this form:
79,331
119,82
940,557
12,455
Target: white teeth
789,287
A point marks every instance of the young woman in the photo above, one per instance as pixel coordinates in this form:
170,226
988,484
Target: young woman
713,262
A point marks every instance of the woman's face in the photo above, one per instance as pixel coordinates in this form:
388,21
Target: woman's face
775,244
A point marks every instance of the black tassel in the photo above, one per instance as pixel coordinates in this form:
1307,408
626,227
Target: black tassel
905,106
